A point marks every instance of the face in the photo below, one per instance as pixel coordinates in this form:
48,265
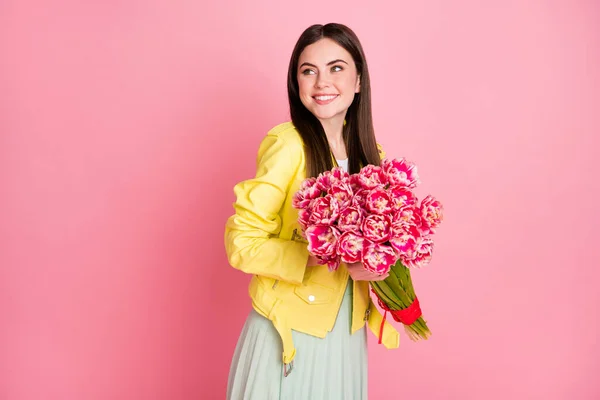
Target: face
327,79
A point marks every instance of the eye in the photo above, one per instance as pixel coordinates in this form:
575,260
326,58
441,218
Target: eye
337,68
307,72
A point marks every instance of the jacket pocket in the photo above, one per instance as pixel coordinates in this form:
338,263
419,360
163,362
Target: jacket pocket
314,293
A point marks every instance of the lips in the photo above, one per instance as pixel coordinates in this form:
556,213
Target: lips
323,99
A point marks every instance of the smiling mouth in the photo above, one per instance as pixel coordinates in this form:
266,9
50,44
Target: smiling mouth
325,99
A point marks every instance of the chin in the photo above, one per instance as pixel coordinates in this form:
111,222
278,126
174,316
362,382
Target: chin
323,116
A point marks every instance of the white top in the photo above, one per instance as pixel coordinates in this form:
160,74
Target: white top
343,164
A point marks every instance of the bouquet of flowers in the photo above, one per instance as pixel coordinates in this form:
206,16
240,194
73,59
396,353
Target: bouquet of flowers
373,217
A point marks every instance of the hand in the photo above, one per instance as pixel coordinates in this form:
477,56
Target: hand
359,273
312,261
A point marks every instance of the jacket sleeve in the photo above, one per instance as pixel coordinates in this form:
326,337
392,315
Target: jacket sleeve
251,234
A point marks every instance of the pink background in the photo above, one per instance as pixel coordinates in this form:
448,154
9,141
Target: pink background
125,125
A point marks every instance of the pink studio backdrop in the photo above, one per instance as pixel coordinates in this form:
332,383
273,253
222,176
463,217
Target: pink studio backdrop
125,125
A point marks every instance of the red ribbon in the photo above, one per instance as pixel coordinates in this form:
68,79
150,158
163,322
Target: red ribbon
407,316
382,325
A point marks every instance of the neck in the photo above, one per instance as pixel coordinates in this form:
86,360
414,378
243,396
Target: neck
334,128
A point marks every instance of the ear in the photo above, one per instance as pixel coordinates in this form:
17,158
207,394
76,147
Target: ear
357,88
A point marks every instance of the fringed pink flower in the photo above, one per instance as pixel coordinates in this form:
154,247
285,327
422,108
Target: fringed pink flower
371,177
360,198
321,240
340,175
432,214
350,247
307,192
377,228
408,216
378,201
402,197
422,254
404,240
401,172
325,211
378,258
350,219
342,193
303,218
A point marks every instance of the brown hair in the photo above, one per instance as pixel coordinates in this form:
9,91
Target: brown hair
358,133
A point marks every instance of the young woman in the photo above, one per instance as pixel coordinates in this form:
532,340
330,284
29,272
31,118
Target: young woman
305,337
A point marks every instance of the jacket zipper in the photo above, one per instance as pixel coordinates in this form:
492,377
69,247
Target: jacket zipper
367,314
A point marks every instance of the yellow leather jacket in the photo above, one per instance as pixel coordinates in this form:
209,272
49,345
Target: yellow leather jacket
263,238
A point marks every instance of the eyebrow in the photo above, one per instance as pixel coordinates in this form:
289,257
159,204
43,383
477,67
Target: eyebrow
329,63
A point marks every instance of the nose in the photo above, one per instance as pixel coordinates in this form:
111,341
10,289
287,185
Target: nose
322,81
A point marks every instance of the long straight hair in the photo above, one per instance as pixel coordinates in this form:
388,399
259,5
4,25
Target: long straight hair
358,133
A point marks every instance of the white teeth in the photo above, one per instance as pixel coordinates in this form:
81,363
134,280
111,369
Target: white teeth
325,98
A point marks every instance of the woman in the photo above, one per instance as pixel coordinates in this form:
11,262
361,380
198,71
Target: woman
305,337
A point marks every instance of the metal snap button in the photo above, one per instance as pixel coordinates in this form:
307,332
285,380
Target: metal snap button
311,298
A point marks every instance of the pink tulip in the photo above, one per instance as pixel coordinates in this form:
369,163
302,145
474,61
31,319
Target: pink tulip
342,193
321,240
371,177
404,240
350,219
377,228
304,217
333,262
305,194
360,198
378,258
422,255
350,247
339,174
407,216
378,201
327,179
432,214
401,172
402,197
325,211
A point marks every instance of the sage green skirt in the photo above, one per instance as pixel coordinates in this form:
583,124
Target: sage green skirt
333,368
